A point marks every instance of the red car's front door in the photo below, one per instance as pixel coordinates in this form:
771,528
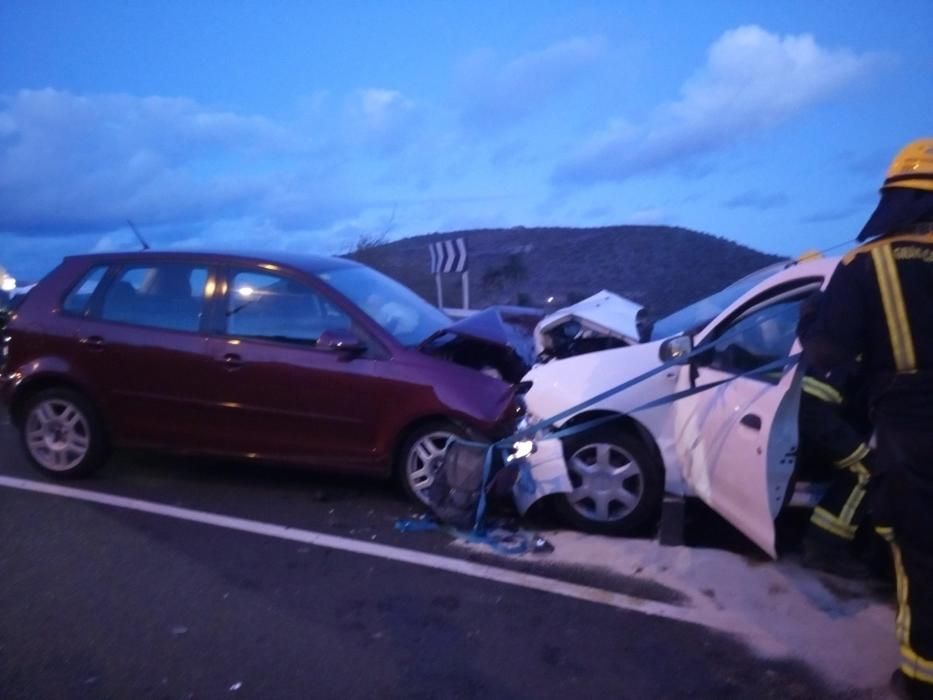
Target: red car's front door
277,394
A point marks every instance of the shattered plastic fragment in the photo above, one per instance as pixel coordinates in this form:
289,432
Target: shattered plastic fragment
236,686
541,546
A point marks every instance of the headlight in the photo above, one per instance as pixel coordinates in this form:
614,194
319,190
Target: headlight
521,449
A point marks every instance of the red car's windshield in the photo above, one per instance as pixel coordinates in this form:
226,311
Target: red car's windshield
408,317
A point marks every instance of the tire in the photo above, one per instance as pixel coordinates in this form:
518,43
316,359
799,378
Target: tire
418,460
623,502
62,434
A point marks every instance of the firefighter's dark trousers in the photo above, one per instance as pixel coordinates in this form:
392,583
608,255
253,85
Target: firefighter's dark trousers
844,506
828,437
904,514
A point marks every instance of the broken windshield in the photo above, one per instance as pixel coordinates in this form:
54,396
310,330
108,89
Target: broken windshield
700,313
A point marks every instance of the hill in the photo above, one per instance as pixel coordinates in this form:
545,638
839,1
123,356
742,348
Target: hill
661,267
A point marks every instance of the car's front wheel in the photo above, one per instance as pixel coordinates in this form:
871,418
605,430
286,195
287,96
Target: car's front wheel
617,483
62,434
420,458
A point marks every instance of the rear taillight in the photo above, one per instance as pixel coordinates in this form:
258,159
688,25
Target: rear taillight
4,352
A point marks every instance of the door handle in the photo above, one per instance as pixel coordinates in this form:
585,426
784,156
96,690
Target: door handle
93,342
232,361
751,420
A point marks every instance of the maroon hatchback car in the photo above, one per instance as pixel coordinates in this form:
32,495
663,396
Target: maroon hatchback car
312,360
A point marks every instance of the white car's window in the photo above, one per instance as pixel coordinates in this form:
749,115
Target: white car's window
700,313
756,339
263,305
169,295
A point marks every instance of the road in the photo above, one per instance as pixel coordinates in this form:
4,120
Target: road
102,600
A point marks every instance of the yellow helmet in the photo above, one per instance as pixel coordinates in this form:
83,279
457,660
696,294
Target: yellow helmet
912,167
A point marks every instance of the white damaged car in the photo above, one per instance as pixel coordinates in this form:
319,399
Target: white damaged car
733,445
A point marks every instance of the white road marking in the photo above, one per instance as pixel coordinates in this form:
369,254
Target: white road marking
720,621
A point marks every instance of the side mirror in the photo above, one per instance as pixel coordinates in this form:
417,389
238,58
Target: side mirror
341,340
676,349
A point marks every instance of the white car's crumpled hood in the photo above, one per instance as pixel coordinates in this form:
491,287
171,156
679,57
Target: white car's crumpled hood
604,312
561,384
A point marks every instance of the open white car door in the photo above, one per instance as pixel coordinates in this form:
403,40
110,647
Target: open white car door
738,441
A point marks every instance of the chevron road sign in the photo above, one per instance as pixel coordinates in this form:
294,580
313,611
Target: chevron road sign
450,256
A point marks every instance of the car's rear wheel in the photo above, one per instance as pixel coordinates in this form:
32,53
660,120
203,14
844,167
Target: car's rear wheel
617,483
62,433
420,458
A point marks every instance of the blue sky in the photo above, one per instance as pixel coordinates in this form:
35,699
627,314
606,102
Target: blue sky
305,125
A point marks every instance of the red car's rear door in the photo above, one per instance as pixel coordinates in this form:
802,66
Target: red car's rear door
144,350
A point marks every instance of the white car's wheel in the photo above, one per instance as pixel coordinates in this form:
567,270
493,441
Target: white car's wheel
617,484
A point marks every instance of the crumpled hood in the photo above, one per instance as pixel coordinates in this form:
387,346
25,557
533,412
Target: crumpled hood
604,313
561,384
509,328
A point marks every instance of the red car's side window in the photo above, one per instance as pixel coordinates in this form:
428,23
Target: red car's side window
77,300
169,295
263,305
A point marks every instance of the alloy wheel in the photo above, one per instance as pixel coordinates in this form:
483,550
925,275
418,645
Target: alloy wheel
58,435
423,462
608,482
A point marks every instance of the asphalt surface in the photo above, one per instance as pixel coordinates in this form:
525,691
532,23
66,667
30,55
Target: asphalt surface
103,602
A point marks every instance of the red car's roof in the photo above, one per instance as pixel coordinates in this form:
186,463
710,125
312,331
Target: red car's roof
315,264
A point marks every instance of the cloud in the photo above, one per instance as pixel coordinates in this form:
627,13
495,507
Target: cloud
598,213
73,164
74,168
873,163
752,80
758,200
649,216
495,93
825,216
382,119
86,163
861,204
379,108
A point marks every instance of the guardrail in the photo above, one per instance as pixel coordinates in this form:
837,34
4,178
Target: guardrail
459,313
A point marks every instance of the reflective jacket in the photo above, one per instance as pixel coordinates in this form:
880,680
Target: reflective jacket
879,305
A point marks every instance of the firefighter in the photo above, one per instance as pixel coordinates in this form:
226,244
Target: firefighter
879,304
830,436
834,427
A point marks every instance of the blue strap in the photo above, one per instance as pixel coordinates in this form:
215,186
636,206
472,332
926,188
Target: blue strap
519,543
505,443
511,544
532,430
783,363
480,533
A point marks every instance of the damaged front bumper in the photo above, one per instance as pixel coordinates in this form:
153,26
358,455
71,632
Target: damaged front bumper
542,469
